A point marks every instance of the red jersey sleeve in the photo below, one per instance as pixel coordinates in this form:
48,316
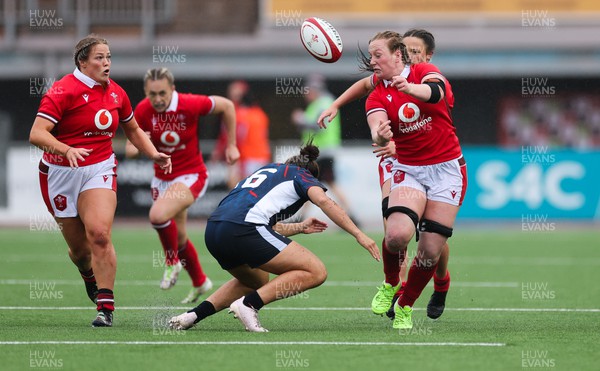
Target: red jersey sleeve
125,112
373,102
422,70
54,103
203,104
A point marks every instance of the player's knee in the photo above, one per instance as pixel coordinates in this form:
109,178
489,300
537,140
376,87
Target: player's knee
99,236
157,217
397,239
318,274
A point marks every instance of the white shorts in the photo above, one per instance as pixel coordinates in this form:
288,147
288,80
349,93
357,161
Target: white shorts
197,183
61,185
385,169
444,182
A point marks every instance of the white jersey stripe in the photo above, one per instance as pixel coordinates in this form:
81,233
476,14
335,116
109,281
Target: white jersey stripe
48,117
279,245
375,110
128,118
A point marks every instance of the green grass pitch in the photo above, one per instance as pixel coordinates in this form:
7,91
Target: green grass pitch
518,300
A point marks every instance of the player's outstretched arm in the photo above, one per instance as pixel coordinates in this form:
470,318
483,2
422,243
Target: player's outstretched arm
140,140
308,226
339,217
358,90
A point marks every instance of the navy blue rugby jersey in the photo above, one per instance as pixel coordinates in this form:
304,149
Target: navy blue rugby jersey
273,193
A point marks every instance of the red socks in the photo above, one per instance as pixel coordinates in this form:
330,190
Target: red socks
168,237
88,276
418,277
189,258
391,264
106,300
441,284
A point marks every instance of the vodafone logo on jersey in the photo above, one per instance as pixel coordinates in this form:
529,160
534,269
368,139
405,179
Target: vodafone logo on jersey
103,119
409,112
170,138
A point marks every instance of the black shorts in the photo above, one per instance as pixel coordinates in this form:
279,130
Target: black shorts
237,244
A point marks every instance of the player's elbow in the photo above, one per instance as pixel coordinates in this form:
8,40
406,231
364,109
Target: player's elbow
323,201
34,137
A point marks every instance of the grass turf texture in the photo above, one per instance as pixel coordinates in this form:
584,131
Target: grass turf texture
490,270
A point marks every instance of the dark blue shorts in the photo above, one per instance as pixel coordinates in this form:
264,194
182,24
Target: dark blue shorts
237,244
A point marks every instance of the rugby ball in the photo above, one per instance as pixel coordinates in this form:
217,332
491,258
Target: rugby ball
321,40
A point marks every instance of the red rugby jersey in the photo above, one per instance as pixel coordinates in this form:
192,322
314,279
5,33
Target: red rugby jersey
423,132
85,115
175,131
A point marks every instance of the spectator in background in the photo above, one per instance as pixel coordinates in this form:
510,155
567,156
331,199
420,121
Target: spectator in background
171,120
319,99
74,126
252,132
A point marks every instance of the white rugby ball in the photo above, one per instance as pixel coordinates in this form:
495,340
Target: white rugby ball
321,40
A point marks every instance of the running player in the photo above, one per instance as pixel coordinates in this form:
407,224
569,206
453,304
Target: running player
171,120
75,124
247,240
420,45
410,106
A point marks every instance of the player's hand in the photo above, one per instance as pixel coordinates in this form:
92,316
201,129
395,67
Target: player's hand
369,245
164,162
384,130
232,154
313,225
326,117
77,154
385,151
401,84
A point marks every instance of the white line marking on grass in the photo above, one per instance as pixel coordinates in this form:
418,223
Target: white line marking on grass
335,343
330,283
575,310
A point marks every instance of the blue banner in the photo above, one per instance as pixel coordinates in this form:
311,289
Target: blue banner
532,182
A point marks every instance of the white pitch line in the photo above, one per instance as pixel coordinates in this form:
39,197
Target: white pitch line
575,310
329,283
334,343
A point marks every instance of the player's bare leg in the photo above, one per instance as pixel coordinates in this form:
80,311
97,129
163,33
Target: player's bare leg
171,202
429,249
399,231
246,280
190,260
80,252
297,270
97,210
